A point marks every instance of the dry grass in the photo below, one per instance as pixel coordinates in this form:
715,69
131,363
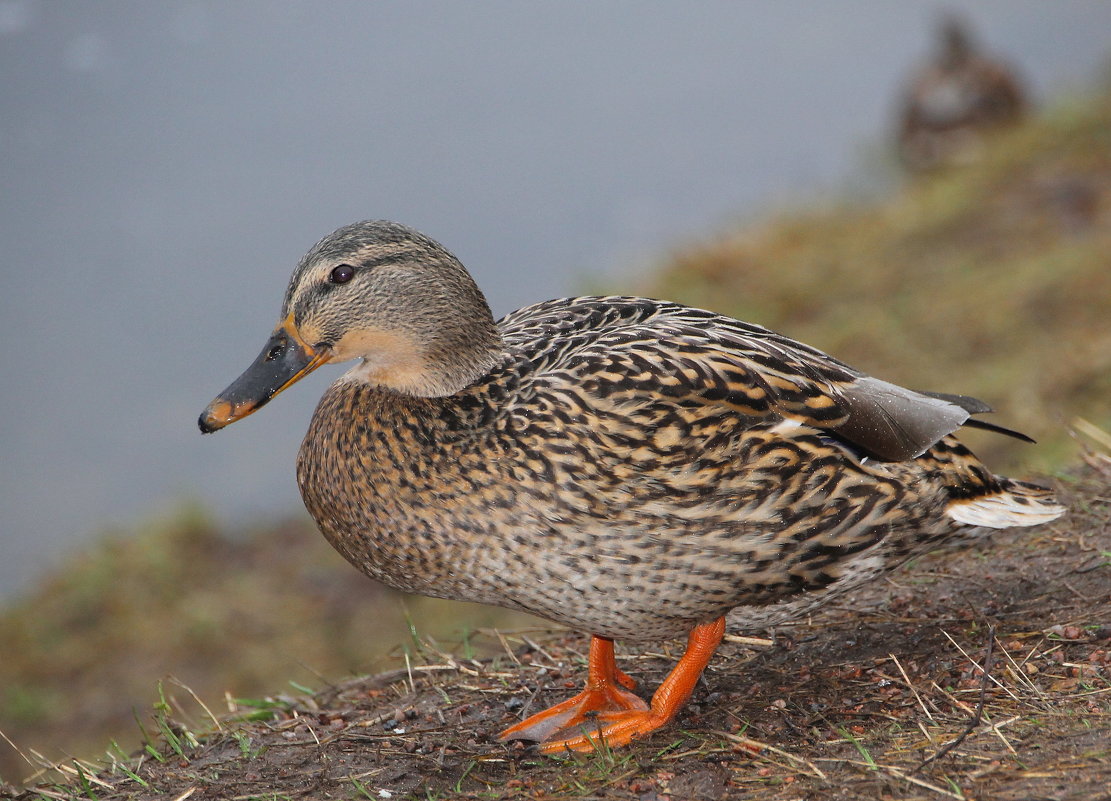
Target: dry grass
983,674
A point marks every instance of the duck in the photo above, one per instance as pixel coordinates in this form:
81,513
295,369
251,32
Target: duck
955,102
631,468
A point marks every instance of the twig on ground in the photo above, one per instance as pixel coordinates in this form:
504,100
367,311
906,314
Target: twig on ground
913,689
985,669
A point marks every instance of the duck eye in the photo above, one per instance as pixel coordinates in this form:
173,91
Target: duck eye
341,274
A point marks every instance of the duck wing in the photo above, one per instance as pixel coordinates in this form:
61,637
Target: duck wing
620,349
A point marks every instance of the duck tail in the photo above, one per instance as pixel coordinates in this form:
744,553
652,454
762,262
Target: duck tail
1015,503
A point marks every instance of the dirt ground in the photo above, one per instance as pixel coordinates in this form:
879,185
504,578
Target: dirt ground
846,705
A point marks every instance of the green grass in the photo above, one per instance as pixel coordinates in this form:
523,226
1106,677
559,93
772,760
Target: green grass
859,746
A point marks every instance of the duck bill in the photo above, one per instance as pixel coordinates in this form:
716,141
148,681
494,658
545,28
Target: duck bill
284,360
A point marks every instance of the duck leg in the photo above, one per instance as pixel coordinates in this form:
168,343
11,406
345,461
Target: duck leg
610,713
604,693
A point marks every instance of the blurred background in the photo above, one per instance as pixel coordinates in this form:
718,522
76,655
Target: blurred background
164,166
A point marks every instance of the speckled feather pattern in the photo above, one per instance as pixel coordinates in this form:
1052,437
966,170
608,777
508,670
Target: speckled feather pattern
630,468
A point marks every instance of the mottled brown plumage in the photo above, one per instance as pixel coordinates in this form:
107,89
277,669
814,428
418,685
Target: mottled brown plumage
629,467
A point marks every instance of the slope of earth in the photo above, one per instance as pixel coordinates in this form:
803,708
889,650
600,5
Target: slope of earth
227,613
991,666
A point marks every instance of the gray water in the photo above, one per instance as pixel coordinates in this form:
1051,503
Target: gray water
164,165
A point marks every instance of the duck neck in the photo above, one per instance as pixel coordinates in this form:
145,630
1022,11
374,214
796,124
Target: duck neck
435,366
461,355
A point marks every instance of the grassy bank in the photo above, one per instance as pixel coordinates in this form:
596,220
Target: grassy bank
993,280
226,613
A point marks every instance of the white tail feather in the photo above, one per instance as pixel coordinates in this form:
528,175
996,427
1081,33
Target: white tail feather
1019,504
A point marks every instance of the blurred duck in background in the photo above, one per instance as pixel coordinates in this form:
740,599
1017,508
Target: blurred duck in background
954,102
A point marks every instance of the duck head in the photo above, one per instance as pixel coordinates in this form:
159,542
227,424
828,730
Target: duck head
380,292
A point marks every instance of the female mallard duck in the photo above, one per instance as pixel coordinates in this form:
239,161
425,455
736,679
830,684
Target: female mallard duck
953,103
630,467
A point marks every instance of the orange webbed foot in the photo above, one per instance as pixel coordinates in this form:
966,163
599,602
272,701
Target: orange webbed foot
604,712
586,709
611,730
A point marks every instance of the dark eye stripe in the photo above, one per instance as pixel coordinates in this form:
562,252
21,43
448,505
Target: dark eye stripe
342,273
